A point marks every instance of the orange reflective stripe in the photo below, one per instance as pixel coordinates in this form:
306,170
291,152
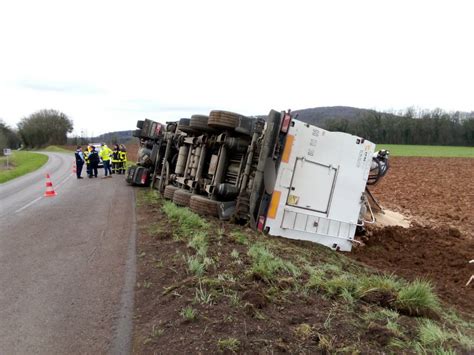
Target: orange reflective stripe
288,146
272,210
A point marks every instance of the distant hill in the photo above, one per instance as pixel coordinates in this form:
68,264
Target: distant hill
119,137
319,115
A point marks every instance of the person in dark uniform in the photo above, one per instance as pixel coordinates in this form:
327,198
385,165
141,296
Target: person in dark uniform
79,161
94,162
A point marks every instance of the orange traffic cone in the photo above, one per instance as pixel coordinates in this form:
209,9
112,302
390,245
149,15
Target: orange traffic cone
49,187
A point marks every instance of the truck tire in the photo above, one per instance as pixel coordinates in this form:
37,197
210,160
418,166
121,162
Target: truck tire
203,206
183,125
169,191
224,119
199,122
181,197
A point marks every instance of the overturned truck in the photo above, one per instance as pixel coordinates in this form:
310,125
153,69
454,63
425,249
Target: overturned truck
278,174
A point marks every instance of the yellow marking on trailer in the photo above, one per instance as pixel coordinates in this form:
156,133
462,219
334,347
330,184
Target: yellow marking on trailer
288,146
272,210
293,199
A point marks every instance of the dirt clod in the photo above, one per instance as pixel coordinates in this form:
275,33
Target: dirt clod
380,297
380,334
255,298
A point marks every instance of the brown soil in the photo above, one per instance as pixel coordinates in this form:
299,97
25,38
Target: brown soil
262,317
132,150
438,195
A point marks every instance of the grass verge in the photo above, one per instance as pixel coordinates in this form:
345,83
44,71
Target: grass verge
428,151
21,163
55,148
230,289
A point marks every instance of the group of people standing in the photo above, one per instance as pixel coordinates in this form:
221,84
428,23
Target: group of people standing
114,161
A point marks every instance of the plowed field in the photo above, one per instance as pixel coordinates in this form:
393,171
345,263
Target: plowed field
438,196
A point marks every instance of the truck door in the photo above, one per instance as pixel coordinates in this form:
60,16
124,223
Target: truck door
312,186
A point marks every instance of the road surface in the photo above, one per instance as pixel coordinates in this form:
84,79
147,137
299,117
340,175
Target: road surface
67,262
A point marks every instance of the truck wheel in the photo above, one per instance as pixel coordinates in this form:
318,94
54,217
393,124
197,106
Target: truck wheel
199,122
203,206
181,197
169,191
183,125
224,119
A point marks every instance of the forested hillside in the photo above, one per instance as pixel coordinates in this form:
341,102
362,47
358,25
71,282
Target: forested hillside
435,127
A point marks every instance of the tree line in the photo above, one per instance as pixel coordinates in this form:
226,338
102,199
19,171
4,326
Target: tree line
8,137
40,129
435,127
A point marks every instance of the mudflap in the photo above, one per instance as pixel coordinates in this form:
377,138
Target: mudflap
138,176
226,210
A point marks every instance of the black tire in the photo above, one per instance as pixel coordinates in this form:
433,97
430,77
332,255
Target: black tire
140,124
224,119
169,192
137,133
183,125
203,206
200,123
181,197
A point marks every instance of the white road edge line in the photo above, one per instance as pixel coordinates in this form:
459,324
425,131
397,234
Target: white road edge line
28,204
39,198
123,335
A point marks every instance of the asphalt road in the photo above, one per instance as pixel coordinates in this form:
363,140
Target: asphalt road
66,262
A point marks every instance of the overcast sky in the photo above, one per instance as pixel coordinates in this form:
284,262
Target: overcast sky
107,64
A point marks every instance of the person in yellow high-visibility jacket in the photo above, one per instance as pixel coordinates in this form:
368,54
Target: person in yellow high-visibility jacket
123,159
86,158
116,160
105,153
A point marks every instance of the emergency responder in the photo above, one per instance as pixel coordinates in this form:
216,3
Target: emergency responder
93,161
116,160
123,159
105,153
86,159
79,161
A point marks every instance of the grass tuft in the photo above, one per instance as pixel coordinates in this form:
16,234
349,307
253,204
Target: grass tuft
239,237
417,298
202,296
188,223
430,334
189,314
229,344
304,331
267,266
199,243
196,266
